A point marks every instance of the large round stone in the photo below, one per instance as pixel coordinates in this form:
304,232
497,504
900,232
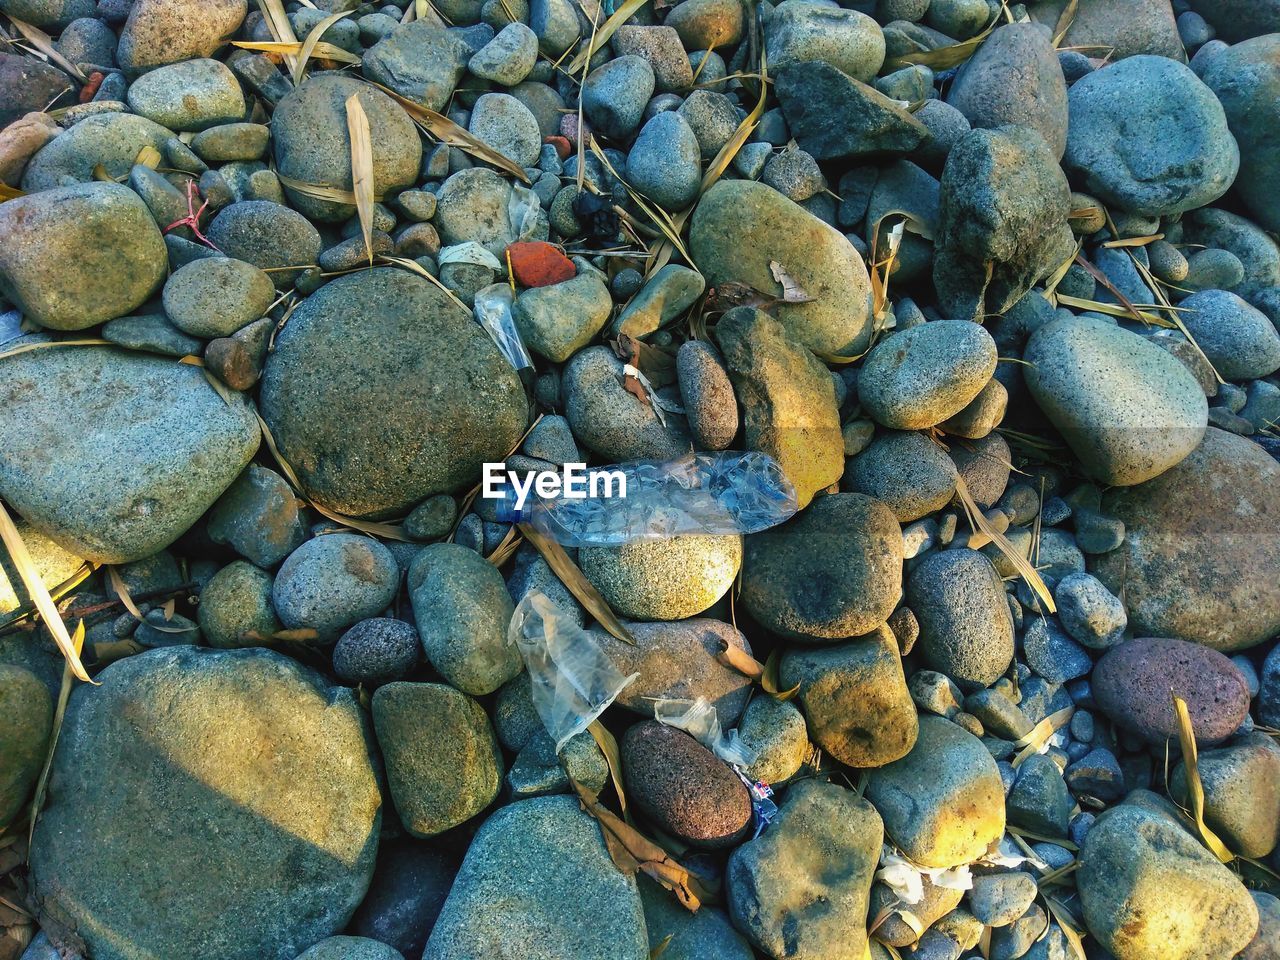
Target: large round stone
1148,137
382,392
241,780
1220,505
78,255
309,132
110,139
113,454
741,228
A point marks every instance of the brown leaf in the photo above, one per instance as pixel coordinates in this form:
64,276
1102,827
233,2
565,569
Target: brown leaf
608,745
1195,790
725,296
738,659
44,43
573,578
792,292
770,683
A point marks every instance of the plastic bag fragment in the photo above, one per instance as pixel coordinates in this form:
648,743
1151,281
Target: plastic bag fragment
522,211
571,680
493,312
698,718
469,252
721,493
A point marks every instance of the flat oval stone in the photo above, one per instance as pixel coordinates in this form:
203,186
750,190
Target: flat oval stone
110,139
683,786
1134,681
191,95
663,579
143,447
1128,409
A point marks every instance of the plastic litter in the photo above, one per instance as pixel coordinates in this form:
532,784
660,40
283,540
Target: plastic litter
721,493
907,880
493,312
469,252
522,211
571,679
699,719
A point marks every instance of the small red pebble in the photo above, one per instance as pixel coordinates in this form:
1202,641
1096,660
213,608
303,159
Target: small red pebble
562,145
535,263
91,86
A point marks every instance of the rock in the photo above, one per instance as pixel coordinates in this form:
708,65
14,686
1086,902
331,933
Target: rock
235,607
916,378
707,24
834,571
998,899
351,948
32,86
536,263
150,333
683,787
705,935
311,143
1266,943
21,140
789,406
984,466
781,890
48,13
1241,784
475,204
410,884
159,32
1150,890
1052,654
614,95
1166,150
709,400
943,803
1091,613
443,761
277,802
668,294
333,581
110,139
802,31
663,579
192,95
739,228
664,162
268,235
463,609
53,564
1132,683
555,23
1002,221
776,731
966,631
232,141
376,651
1238,339
855,698
907,471
713,118
538,883
1246,79
258,516
558,320
1014,78
1127,27
508,57
144,445
26,719
1217,503
610,421
366,362
1039,800
109,254
504,123
660,47
420,61
678,661
835,117
1128,409
215,296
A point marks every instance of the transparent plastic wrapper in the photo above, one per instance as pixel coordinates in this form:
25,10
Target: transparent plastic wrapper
906,879
699,719
571,679
493,312
522,211
704,493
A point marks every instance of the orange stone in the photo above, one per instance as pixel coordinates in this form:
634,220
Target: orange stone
562,145
536,263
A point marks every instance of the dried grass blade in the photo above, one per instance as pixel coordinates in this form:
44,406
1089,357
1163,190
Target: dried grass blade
44,43
1064,22
313,38
64,695
602,35
668,226
661,948
1041,733
503,551
1111,288
977,521
1066,923
1172,311
39,594
10,193
446,131
608,745
361,169
46,344
1019,833
291,49
1113,310
122,591
770,682
944,58
281,29
148,157
321,191
586,594
1195,789
1133,241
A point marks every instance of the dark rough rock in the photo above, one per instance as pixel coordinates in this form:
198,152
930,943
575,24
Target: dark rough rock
377,650
1132,683
26,719
277,803
381,393
410,884
684,787
30,86
268,235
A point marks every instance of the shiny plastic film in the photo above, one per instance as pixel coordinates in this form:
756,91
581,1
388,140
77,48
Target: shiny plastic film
492,309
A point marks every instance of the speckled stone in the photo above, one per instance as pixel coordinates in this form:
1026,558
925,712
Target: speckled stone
376,651
235,607
333,581
709,401
663,579
26,719
685,788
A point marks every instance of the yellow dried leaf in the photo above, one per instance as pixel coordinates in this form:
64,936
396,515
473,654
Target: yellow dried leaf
977,521
10,193
1133,241
944,58
1040,734
122,591
39,593
1018,833
601,36
44,43
770,683
313,38
148,157
361,169
1066,923
46,344
281,29
1064,21
608,745
573,578
661,948
1195,789
60,711
290,50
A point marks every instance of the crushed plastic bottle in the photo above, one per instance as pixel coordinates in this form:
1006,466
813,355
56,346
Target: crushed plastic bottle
721,493
699,719
493,312
571,679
